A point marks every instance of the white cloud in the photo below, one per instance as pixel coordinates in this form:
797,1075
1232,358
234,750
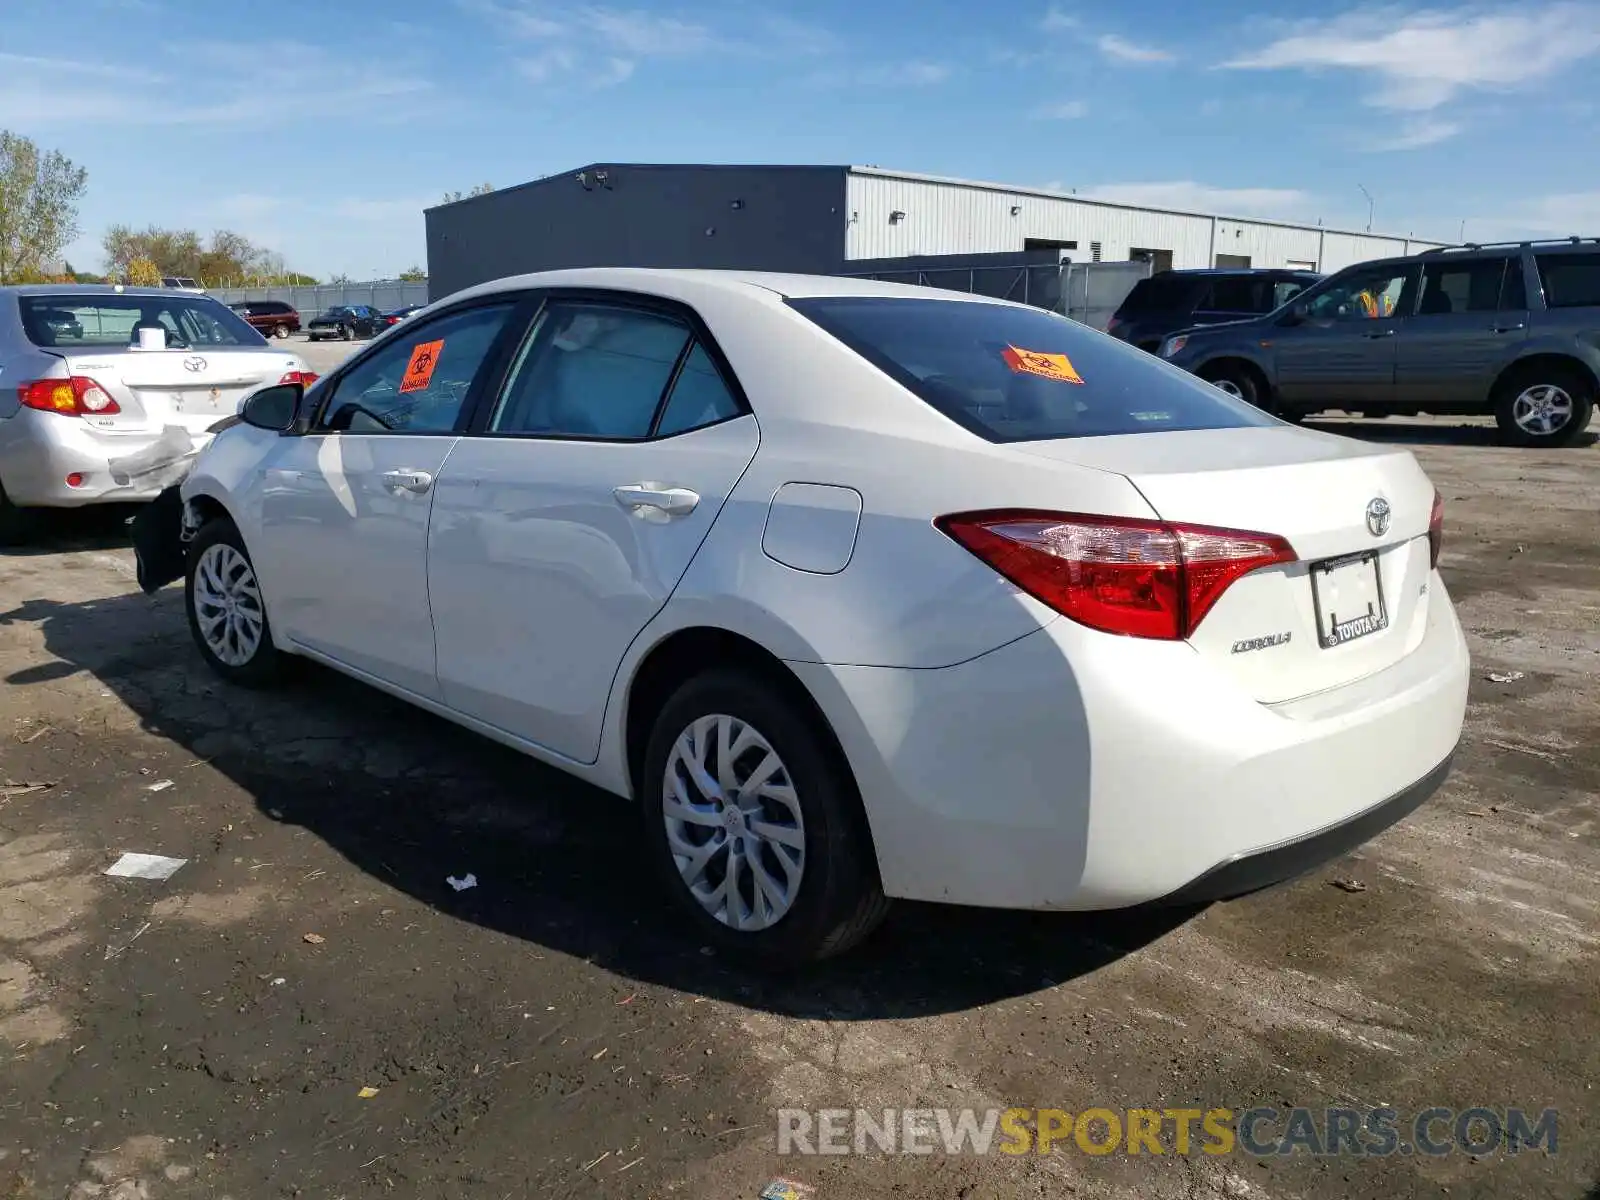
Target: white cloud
78,68
540,67
1055,21
1561,214
1189,196
1417,132
1070,110
1120,49
1424,58
890,75
641,34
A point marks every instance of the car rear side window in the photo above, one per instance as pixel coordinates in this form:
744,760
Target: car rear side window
1464,287
1009,373
1570,280
1166,292
1236,293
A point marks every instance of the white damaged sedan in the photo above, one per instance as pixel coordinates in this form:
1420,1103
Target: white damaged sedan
859,591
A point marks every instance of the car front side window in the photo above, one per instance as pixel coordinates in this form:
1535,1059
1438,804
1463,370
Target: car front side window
419,383
1365,295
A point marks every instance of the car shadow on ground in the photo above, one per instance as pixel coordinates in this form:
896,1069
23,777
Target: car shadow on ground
1425,433
411,799
60,531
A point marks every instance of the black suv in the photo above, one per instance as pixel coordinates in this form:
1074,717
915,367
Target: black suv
1511,329
1174,300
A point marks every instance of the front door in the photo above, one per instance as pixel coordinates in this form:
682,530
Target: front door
562,527
345,508
1342,353
1470,318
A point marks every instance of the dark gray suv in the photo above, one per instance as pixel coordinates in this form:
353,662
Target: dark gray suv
1511,329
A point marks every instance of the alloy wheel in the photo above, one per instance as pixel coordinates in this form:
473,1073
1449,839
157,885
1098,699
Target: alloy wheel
734,824
227,605
1542,410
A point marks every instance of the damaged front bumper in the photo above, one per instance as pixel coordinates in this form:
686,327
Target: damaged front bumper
161,530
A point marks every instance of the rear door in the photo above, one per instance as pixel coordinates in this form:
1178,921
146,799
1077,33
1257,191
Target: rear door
563,523
342,541
1472,315
1343,354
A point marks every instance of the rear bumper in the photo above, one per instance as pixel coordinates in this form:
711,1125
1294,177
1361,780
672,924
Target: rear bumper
39,450
1076,770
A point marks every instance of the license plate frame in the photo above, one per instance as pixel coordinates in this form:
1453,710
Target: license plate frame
1332,631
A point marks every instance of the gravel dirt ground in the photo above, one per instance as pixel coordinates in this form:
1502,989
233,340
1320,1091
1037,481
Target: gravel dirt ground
551,1033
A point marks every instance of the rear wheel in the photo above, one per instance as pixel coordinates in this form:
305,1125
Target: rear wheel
226,613
1543,405
754,823
280,331
15,523
347,333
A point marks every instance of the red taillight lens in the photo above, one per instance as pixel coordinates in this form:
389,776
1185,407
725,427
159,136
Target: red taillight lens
304,378
1151,579
1435,530
75,397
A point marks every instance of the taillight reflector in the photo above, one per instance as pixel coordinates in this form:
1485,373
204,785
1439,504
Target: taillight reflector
1435,529
1150,579
75,397
303,378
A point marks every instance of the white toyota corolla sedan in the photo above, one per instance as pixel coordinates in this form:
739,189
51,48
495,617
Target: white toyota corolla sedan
859,591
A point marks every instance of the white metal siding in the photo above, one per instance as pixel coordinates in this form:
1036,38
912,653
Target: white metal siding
960,218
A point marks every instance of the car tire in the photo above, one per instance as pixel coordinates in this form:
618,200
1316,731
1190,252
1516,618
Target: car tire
1236,381
219,568
15,523
834,899
346,333
280,332
1530,400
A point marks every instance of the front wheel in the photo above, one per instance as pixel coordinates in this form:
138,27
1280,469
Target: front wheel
226,613
754,823
1544,405
280,331
1236,381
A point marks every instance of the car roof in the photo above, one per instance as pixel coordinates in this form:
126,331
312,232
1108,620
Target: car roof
86,290
749,283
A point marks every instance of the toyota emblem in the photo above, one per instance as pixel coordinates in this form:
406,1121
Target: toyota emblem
194,364
1377,516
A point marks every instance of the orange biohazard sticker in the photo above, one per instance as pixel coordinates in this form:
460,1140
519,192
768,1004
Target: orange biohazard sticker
419,371
1032,362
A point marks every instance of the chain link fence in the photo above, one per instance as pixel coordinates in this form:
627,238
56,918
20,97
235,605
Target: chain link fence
384,295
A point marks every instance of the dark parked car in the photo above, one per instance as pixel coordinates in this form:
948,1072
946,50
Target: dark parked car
347,321
1175,300
272,317
395,316
1511,329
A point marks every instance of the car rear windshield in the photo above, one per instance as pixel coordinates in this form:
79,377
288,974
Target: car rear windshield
1012,374
111,322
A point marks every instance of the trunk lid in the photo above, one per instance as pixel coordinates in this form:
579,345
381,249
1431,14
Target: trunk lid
1355,601
191,389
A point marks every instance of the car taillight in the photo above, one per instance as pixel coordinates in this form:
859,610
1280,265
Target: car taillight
304,378
75,397
1150,579
1435,530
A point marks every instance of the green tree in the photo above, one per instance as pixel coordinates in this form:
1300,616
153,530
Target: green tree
226,255
142,272
39,194
414,274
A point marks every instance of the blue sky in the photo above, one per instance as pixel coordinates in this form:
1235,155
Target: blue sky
323,129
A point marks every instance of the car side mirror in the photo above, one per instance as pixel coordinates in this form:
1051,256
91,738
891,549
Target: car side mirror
1298,314
273,408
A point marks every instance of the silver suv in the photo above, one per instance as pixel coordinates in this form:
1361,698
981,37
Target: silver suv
1511,330
96,383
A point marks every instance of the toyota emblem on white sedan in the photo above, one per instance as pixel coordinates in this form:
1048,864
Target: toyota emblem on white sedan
1377,516
195,364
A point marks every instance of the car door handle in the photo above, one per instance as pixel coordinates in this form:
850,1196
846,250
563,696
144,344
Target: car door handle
674,501
1378,333
1508,328
409,481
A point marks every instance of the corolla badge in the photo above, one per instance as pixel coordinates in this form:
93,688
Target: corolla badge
194,364
1378,516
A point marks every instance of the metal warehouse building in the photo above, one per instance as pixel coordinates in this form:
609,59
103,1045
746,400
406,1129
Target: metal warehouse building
833,220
